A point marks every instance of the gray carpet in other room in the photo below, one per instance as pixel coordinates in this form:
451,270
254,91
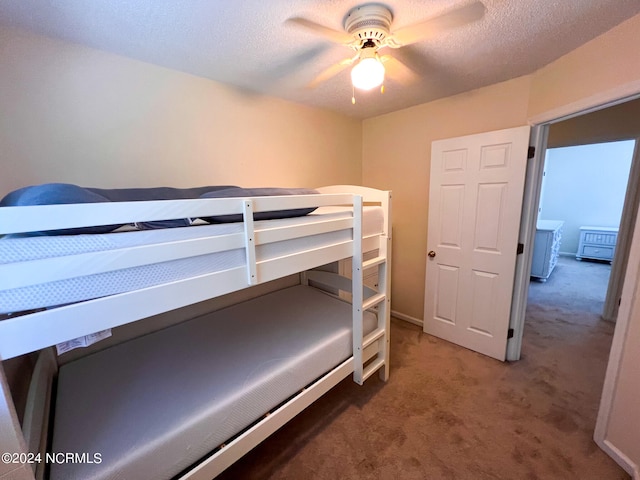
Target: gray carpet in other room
449,413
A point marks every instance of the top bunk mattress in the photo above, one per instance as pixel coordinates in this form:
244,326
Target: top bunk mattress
81,288
155,405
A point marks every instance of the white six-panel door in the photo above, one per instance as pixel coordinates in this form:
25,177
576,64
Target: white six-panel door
475,202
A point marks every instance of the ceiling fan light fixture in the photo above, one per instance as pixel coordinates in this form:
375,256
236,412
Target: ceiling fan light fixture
367,74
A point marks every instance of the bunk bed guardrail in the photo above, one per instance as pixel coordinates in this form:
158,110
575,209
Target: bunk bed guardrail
31,332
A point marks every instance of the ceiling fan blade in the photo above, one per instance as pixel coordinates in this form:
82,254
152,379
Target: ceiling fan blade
452,19
331,72
398,71
326,32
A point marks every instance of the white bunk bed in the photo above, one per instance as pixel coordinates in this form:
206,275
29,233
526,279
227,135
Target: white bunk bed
325,339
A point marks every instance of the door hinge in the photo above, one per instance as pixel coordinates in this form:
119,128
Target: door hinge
510,333
520,249
531,152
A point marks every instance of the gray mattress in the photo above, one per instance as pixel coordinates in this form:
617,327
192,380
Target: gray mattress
157,404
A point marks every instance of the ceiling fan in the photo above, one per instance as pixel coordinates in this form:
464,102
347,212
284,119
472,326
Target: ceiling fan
367,29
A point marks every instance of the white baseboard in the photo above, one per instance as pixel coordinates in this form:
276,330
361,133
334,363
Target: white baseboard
620,458
407,318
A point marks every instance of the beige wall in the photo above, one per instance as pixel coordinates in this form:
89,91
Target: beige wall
606,64
396,155
621,122
78,115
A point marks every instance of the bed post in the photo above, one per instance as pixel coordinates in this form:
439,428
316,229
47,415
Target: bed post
35,425
384,284
12,443
250,242
357,292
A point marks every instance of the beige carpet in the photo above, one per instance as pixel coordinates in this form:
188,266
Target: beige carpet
449,413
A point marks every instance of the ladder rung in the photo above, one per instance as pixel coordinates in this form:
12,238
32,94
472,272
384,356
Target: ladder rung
372,301
372,368
373,262
377,334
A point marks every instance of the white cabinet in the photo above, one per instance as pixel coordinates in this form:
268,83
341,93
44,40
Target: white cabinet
598,243
546,248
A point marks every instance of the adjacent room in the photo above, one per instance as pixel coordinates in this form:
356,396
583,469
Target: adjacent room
305,239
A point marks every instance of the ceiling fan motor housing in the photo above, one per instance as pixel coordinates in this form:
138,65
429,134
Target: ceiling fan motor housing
369,22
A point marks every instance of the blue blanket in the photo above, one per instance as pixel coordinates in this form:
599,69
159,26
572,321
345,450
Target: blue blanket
65,193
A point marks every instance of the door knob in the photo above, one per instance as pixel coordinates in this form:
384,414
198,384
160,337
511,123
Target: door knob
431,254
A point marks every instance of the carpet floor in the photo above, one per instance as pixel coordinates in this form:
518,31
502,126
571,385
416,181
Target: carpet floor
450,413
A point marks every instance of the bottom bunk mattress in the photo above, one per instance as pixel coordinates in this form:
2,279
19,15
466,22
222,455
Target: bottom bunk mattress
153,406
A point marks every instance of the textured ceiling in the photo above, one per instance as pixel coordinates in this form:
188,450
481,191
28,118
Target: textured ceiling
247,44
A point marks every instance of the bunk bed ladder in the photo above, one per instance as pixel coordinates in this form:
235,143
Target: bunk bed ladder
380,299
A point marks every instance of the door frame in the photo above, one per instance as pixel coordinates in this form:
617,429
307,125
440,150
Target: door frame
528,218
539,132
530,210
625,236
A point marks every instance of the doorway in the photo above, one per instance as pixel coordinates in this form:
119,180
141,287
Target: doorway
592,188
616,122
621,121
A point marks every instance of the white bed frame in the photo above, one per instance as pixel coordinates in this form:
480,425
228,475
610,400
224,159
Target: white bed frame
37,331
